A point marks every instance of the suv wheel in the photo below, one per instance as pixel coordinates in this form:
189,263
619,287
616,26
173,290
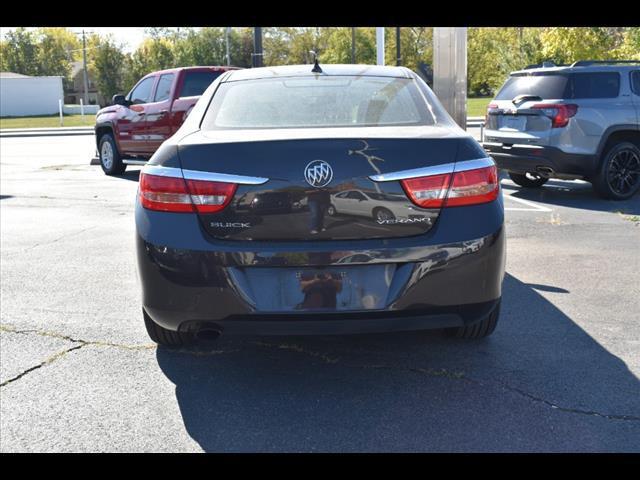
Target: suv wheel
528,180
480,329
619,174
163,336
110,159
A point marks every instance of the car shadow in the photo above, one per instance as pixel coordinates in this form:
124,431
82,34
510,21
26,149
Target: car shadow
133,175
539,383
573,194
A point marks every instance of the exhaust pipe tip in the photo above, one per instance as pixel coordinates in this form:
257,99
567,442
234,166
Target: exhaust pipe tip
208,334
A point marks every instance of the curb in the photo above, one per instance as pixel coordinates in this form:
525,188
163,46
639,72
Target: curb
41,132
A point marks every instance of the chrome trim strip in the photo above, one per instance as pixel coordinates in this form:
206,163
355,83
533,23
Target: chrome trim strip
434,170
223,177
134,162
200,175
162,171
473,164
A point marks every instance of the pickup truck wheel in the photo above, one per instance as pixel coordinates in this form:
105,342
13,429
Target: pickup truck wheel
163,336
619,174
480,329
528,180
110,159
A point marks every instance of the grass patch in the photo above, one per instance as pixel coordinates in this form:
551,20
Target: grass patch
477,107
49,121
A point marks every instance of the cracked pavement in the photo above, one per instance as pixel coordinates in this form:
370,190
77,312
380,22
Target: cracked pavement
78,373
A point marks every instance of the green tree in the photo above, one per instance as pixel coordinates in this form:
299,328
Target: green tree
570,44
19,52
57,49
492,53
106,61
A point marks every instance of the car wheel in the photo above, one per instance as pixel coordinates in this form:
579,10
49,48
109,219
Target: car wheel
331,210
619,174
480,329
382,214
165,337
528,180
110,159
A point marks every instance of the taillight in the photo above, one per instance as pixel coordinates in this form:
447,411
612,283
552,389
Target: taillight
427,192
469,187
473,186
175,194
491,106
557,112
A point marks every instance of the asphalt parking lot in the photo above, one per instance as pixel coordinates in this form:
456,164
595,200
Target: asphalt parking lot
78,372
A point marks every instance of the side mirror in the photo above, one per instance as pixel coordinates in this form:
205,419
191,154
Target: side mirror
119,100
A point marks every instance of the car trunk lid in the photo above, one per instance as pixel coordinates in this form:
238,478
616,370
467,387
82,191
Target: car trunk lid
345,204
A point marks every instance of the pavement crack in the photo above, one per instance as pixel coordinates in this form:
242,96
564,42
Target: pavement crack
48,361
431,372
45,333
299,349
66,235
453,375
568,409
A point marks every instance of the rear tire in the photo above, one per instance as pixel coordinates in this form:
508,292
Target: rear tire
331,210
619,175
480,329
163,336
528,180
110,158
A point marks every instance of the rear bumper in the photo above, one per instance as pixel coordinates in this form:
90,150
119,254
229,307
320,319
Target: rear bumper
447,278
532,158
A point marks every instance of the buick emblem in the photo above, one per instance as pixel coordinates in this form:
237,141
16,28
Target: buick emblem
318,173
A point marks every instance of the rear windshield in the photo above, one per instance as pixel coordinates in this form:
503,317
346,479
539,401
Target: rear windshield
562,86
321,101
195,83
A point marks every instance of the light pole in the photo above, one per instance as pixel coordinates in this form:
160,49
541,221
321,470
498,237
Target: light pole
227,32
353,44
257,47
398,56
380,45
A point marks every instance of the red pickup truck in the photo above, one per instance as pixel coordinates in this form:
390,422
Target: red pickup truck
130,130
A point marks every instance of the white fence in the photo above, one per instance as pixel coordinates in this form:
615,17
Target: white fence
23,96
77,109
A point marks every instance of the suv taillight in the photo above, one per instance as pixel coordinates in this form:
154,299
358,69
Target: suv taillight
490,107
173,194
559,113
470,187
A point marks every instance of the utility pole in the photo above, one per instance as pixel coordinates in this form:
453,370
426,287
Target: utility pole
226,39
84,69
257,47
353,44
398,56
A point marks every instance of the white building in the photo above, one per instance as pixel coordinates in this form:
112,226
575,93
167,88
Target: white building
21,95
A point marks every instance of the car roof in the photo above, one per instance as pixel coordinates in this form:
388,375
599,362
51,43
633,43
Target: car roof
202,68
577,69
327,69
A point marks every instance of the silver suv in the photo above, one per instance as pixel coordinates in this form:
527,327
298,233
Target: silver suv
571,122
